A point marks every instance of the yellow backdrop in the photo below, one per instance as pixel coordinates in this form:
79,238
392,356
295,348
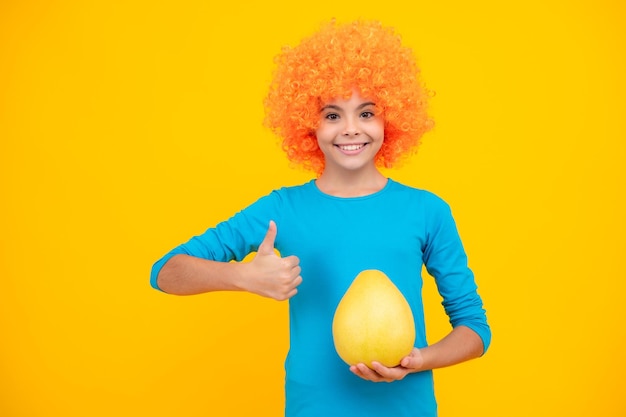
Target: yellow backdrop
128,126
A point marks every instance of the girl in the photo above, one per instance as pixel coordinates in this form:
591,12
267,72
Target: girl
346,101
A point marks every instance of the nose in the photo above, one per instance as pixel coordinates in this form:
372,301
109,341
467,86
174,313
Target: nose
351,128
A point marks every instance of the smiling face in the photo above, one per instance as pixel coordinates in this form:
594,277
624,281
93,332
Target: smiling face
350,134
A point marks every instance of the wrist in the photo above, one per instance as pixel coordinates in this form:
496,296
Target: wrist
240,271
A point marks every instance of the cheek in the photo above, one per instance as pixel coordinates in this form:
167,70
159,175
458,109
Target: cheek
381,128
323,133
318,138
377,132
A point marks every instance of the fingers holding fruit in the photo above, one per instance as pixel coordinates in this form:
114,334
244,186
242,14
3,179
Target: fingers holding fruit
363,371
379,373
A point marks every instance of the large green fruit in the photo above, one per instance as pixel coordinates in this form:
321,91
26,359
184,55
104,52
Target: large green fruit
373,322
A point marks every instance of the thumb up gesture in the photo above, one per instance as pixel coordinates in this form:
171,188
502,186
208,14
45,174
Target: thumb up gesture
271,276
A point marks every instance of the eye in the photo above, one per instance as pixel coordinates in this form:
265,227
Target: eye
331,116
367,114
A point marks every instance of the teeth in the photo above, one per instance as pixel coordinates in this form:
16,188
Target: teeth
351,147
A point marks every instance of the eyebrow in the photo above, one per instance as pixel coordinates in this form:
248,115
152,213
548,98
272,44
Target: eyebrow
359,107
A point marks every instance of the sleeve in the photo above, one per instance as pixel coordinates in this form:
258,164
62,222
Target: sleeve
230,240
445,259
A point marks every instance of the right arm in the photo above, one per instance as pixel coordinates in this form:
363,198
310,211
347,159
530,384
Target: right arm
267,274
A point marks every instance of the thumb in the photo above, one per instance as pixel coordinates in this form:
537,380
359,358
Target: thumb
407,362
413,361
267,246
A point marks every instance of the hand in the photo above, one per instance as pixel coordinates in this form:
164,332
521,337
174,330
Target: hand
270,275
409,364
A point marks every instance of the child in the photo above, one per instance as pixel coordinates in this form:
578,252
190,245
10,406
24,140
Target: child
346,101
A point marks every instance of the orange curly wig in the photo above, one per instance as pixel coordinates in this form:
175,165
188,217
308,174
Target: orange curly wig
329,65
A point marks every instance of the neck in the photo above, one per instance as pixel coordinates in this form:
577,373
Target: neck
351,185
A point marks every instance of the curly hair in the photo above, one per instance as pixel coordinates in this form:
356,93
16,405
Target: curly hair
329,65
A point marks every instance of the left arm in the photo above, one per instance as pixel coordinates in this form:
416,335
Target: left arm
445,259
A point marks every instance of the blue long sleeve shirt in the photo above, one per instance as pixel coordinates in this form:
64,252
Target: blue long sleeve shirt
397,230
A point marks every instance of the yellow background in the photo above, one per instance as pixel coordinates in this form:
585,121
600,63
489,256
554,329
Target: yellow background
128,126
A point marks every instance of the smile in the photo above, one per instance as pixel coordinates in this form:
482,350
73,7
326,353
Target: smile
350,148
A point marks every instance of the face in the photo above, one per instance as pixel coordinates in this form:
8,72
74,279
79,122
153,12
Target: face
350,134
